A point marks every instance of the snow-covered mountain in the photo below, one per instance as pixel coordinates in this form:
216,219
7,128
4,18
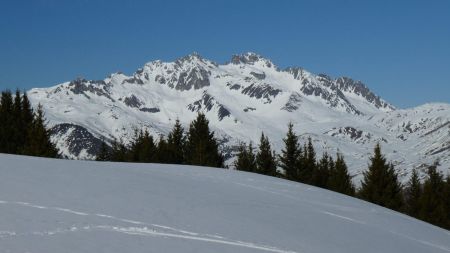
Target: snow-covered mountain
241,98
51,205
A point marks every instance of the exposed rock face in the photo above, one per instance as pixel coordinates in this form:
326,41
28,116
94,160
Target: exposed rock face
297,73
79,142
151,110
293,103
208,103
265,92
132,101
259,76
82,86
358,88
334,97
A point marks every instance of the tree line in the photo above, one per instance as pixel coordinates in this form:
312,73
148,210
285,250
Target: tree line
23,130
430,200
197,146
298,163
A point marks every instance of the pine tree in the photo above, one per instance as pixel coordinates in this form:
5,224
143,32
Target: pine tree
27,114
394,198
17,137
301,163
202,148
104,153
447,201
308,165
119,152
176,142
141,149
39,143
265,160
380,184
290,153
148,150
322,172
162,151
246,159
135,146
27,117
340,180
7,130
432,200
413,193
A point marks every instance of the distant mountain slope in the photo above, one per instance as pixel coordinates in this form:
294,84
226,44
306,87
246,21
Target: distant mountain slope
50,205
241,98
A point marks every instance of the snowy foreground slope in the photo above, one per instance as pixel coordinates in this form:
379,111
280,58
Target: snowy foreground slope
79,206
242,98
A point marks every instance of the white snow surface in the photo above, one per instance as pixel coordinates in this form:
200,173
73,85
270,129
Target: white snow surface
50,205
338,114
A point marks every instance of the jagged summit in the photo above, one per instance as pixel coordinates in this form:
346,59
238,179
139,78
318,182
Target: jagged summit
194,58
250,58
242,98
252,75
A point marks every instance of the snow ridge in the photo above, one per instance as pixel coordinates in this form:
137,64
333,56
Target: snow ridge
86,206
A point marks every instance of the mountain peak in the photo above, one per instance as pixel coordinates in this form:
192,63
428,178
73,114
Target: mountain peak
192,56
194,59
250,58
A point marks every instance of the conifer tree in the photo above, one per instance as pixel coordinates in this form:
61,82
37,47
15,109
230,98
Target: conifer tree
103,153
432,199
7,126
265,160
246,159
176,142
135,146
17,105
413,193
447,201
308,163
394,189
340,180
17,137
119,152
27,114
39,143
202,147
251,157
322,172
301,163
148,150
162,151
290,154
380,184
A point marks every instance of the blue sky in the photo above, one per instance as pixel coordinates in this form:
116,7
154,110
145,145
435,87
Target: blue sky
400,49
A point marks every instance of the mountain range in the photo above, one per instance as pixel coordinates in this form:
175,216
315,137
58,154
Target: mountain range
242,98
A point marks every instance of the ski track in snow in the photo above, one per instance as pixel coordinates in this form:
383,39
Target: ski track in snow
340,207
146,232
421,241
343,217
141,231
